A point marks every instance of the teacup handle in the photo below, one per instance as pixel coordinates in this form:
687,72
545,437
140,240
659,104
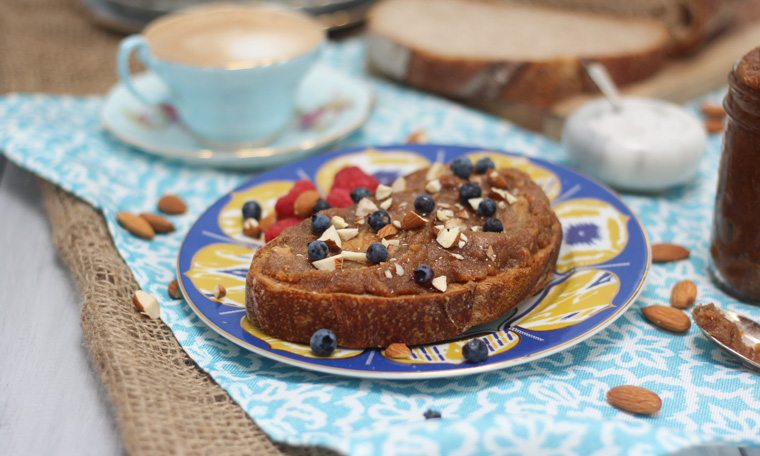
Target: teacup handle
129,45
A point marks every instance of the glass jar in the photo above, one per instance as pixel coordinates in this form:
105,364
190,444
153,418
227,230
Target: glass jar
735,244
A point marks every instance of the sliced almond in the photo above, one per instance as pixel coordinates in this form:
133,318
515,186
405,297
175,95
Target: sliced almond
173,290
665,253
683,295
304,203
356,257
172,204
463,214
490,253
433,186
385,205
461,243
439,283
146,304
399,270
502,205
475,202
396,223
456,223
382,192
158,222
457,256
338,222
388,274
497,180
399,185
435,171
268,221
475,228
667,318
713,110
365,207
251,228
332,238
347,234
413,220
219,291
503,195
387,231
136,225
447,237
390,242
444,214
397,351
634,399
331,263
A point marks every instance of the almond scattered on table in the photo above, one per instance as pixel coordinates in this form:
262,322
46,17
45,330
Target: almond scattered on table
219,291
159,223
305,202
683,295
634,399
665,252
713,110
714,126
173,290
146,304
136,225
398,351
667,318
172,204
416,137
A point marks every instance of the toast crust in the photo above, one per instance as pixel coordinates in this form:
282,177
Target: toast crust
288,299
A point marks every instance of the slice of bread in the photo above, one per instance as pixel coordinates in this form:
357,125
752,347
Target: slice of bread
486,273
690,22
491,50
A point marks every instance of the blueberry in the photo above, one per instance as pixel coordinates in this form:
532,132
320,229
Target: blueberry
475,351
494,225
423,274
483,165
462,167
377,253
424,204
358,193
317,250
431,414
378,219
251,209
323,342
487,207
320,205
319,223
468,191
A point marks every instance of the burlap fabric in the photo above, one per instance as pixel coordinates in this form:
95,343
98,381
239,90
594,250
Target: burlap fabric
163,402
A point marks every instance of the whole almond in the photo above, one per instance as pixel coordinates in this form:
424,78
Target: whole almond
173,290
305,202
135,224
714,126
713,110
159,223
683,294
398,351
665,253
667,318
172,204
634,399
146,304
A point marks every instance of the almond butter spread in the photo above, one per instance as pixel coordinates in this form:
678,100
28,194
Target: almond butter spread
735,246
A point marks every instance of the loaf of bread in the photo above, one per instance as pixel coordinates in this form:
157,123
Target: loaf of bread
483,50
485,273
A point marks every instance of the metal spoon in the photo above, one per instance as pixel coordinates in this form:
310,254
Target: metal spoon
751,335
598,73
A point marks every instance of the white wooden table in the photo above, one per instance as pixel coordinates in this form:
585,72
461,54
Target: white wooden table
51,401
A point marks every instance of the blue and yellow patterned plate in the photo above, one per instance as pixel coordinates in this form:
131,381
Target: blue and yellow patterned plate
602,265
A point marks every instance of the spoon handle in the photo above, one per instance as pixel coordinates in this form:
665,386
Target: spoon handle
598,73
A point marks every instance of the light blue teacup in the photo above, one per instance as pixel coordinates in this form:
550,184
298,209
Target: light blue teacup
231,71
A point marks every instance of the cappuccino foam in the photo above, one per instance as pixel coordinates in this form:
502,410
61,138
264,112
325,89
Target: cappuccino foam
232,36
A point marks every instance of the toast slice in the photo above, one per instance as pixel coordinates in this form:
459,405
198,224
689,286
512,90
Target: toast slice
482,50
366,305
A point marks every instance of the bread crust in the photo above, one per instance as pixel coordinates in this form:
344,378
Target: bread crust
293,313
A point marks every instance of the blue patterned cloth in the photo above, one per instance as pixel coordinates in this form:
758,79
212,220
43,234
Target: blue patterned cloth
554,405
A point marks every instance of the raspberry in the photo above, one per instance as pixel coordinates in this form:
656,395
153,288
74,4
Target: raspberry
276,229
351,177
340,197
284,205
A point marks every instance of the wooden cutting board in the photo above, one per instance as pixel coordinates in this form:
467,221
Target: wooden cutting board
679,81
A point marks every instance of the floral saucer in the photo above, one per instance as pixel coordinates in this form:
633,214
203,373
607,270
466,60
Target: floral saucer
330,106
